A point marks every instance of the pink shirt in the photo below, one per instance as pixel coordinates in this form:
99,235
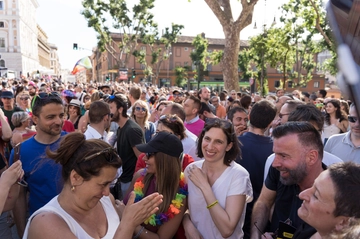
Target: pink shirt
195,125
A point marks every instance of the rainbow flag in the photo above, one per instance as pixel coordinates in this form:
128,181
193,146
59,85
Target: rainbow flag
82,64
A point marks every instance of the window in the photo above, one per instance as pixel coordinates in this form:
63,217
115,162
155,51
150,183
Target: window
2,42
143,48
290,84
2,24
316,84
209,67
277,83
1,5
186,49
2,63
142,66
186,63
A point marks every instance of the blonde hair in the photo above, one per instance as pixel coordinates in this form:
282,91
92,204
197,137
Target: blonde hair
147,114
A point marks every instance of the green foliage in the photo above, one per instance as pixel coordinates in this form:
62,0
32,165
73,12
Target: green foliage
292,49
181,76
199,57
135,25
309,24
160,48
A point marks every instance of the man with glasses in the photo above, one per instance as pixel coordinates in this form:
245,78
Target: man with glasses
285,111
128,135
178,96
42,175
347,146
219,109
9,108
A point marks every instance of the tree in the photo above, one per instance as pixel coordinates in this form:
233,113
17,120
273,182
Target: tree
131,27
199,57
309,17
232,28
160,50
181,75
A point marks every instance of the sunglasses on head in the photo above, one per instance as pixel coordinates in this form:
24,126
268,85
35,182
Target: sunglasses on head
137,108
352,119
111,155
216,121
169,118
44,95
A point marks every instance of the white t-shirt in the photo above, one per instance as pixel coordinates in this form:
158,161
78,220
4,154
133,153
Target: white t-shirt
54,207
233,181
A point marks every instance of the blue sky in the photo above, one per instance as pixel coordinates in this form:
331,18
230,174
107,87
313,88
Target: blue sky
64,25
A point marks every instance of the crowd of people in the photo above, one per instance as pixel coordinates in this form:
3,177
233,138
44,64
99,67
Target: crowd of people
128,160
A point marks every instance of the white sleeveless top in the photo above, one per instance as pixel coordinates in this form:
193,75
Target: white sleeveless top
54,207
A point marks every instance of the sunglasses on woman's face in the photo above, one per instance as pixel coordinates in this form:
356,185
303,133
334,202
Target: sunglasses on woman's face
24,98
140,109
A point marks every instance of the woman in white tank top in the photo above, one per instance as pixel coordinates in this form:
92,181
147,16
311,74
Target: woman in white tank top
85,208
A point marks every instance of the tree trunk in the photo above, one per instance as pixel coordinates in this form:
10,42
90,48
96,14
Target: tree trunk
229,62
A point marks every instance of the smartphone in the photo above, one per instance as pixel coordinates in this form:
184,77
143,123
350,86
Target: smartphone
343,16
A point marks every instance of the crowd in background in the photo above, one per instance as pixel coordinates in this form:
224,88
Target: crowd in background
220,160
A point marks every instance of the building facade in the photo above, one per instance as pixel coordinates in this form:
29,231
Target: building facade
55,65
18,36
43,48
104,66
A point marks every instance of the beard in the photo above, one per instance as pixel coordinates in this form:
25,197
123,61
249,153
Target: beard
296,175
116,117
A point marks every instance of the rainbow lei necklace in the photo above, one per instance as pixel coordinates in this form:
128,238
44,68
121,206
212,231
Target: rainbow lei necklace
174,208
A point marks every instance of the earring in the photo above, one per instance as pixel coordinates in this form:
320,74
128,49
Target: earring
72,188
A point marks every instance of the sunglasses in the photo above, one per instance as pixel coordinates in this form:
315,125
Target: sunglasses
148,155
282,115
352,119
24,98
216,121
177,95
111,155
140,109
44,95
170,118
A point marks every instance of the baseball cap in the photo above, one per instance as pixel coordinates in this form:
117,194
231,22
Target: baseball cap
163,142
176,90
7,94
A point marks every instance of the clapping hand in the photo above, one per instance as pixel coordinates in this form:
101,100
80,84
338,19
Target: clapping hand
11,175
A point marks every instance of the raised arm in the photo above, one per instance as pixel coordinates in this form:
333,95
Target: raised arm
5,127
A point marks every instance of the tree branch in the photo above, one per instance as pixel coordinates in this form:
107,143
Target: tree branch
318,27
245,18
224,19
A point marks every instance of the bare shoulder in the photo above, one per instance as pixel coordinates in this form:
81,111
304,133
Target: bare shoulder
49,225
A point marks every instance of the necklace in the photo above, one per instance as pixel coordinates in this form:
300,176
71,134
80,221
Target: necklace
174,208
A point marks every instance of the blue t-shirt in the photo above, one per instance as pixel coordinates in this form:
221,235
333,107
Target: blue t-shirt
42,174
